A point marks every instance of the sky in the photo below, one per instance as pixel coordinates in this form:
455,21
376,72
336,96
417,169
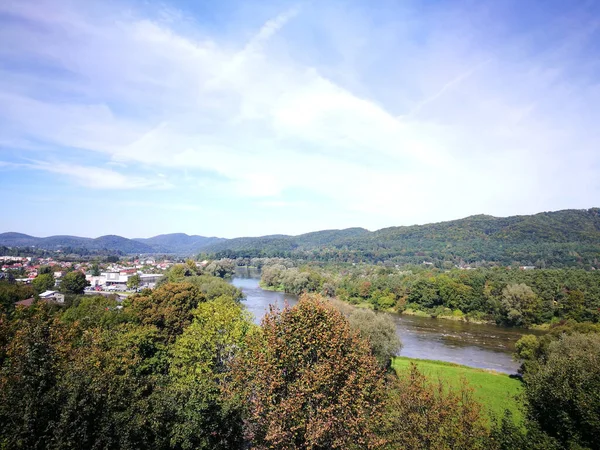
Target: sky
244,118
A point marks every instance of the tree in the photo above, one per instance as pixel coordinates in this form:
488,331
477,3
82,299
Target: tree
28,378
178,272
200,367
561,391
94,311
133,281
95,270
43,270
520,305
169,307
11,292
428,415
309,381
506,435
573,306
74,283
380,331
43,282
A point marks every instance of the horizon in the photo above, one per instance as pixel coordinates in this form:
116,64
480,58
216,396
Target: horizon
299,234
245,119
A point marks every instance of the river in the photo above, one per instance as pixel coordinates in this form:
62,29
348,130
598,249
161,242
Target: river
476,345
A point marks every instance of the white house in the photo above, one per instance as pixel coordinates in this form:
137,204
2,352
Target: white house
53,295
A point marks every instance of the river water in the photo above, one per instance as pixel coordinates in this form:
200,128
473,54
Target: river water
484,346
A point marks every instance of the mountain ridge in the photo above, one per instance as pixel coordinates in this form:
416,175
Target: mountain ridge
570,236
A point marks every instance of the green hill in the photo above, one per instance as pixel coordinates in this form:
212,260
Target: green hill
569,238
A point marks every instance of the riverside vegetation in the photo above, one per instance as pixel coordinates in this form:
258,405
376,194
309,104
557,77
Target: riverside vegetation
505,296
183,366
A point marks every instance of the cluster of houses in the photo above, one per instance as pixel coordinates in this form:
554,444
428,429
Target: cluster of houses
113,277
119,280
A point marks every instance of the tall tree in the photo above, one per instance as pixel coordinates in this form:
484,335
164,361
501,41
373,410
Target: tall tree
43,282
520,304
200,366
74,283
309,381
134,281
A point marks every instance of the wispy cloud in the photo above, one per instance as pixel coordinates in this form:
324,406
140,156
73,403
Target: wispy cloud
449,85
440,118
93,177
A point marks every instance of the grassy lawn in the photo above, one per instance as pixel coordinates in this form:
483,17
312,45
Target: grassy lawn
496,391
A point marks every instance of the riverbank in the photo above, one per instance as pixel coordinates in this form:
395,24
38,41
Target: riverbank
475,345
264,287
494,390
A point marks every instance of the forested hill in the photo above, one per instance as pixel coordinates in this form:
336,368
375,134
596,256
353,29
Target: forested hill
569,238
177,243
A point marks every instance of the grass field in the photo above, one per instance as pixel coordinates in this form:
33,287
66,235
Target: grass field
496,391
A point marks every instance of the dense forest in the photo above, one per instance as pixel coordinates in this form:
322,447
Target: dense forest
184,367
506,296
569,238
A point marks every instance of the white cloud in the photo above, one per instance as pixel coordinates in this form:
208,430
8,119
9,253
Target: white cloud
140,92
97,177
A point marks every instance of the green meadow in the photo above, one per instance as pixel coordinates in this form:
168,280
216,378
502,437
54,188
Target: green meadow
496,391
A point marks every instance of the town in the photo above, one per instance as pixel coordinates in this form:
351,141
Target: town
122,277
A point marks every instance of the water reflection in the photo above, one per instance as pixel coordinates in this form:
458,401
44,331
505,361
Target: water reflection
475,345
258,300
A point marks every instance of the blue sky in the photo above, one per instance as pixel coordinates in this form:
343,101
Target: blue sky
237,118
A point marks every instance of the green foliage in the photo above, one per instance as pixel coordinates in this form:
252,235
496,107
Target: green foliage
222,268
568,238
74,283
11,292
169,308
495,391
309,381
507,435
133,281
201,359
506,296
380,331
28,378
520,304
95,270
562,390
532,350
427,415
95,376
43,282
95,311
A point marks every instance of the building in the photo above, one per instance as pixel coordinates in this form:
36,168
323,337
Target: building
52,295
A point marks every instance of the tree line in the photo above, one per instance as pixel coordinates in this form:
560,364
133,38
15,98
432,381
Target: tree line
506,296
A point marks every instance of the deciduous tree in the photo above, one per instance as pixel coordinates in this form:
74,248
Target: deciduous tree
562,390
309,381
74,283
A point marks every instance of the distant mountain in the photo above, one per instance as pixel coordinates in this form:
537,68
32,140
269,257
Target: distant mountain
282,244
75,243
552,239
569,238
178,242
